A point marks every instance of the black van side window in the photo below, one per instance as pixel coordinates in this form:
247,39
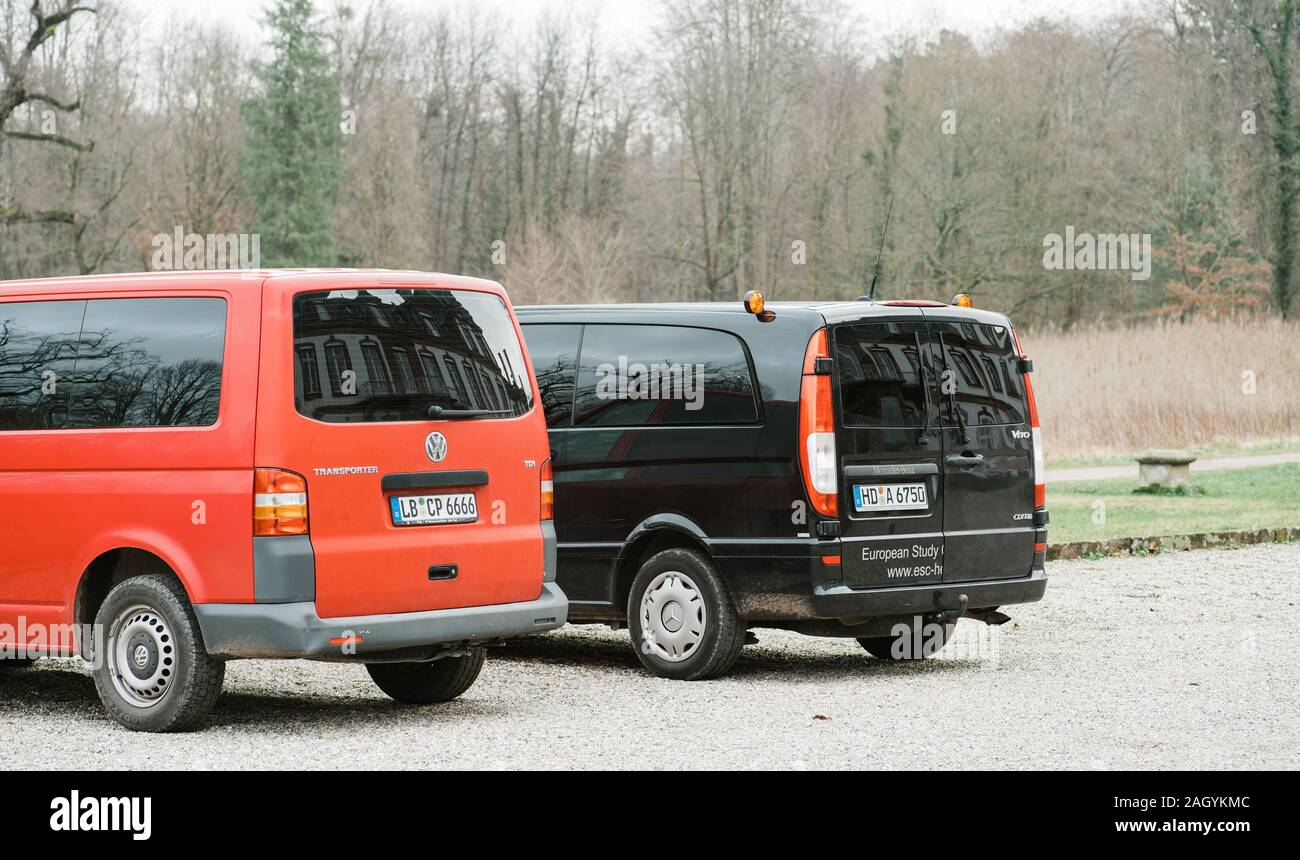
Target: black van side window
988,387
554,350
880,376
38,349
636,375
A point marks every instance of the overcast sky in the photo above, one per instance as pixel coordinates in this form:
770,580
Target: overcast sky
631,19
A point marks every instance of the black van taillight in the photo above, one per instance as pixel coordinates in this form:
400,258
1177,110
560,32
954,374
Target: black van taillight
1036,433
817,428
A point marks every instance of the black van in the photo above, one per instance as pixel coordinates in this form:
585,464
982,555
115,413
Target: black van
863,469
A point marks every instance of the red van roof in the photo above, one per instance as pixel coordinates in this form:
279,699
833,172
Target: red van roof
146,281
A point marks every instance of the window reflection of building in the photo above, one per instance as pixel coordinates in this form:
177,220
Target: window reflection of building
989,391
310,371
338,362
427,346
376,370
880,377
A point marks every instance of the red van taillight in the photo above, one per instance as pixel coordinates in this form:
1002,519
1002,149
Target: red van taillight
817,430
548,492
1040,488
279,503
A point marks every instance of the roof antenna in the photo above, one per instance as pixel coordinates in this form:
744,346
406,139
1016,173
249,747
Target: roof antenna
871,293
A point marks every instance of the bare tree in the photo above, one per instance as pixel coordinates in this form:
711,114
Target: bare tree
19,47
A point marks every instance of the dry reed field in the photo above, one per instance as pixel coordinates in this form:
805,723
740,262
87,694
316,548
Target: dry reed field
1119,390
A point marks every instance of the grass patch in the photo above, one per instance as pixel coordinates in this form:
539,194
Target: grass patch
1236,500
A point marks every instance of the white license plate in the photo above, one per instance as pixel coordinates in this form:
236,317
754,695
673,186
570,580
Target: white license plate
890,497
431,510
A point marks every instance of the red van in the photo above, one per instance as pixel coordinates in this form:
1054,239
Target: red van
337,465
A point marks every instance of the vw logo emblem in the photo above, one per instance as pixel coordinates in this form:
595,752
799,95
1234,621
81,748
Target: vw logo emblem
141,656
435,445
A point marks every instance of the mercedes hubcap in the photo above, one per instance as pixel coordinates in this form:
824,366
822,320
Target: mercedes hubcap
142,656
672,616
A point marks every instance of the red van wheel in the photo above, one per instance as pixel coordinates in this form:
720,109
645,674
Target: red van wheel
429,682
153,673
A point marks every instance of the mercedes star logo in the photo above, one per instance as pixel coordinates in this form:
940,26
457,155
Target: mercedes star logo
673,617
435,445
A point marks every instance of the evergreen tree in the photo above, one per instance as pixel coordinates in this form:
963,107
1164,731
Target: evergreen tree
1205,265
293,154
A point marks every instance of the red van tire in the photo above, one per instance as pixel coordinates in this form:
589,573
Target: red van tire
155,674
429,682
685,582
882,647
16,662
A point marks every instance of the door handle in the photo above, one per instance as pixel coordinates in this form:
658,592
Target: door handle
442,571
964,460
433,480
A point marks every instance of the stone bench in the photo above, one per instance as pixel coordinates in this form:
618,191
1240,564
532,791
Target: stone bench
1164,468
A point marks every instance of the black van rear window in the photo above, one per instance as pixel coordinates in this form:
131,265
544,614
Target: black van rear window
880,375
988,386
390,354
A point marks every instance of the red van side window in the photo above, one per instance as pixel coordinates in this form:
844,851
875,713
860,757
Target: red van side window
104,363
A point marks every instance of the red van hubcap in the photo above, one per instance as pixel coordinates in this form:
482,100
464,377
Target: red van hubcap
142,656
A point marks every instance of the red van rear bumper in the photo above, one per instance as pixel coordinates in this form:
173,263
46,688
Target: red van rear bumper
263,630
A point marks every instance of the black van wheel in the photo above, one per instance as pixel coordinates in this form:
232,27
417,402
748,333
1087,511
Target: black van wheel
154,674
429,682
911,646
682,618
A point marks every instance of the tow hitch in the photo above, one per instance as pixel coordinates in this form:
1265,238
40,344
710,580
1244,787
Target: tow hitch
989,614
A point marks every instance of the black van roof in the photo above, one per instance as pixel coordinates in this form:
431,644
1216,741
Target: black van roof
830,311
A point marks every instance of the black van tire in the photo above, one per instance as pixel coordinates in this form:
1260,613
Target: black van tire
724,632
16,662
882,647
429,682
193,678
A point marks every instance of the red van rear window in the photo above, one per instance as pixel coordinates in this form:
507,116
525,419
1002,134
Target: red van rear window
390,354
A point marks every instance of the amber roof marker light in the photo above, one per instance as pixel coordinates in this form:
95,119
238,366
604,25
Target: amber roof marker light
963,300
754,304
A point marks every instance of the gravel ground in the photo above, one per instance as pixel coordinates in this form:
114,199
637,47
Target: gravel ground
1187,660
